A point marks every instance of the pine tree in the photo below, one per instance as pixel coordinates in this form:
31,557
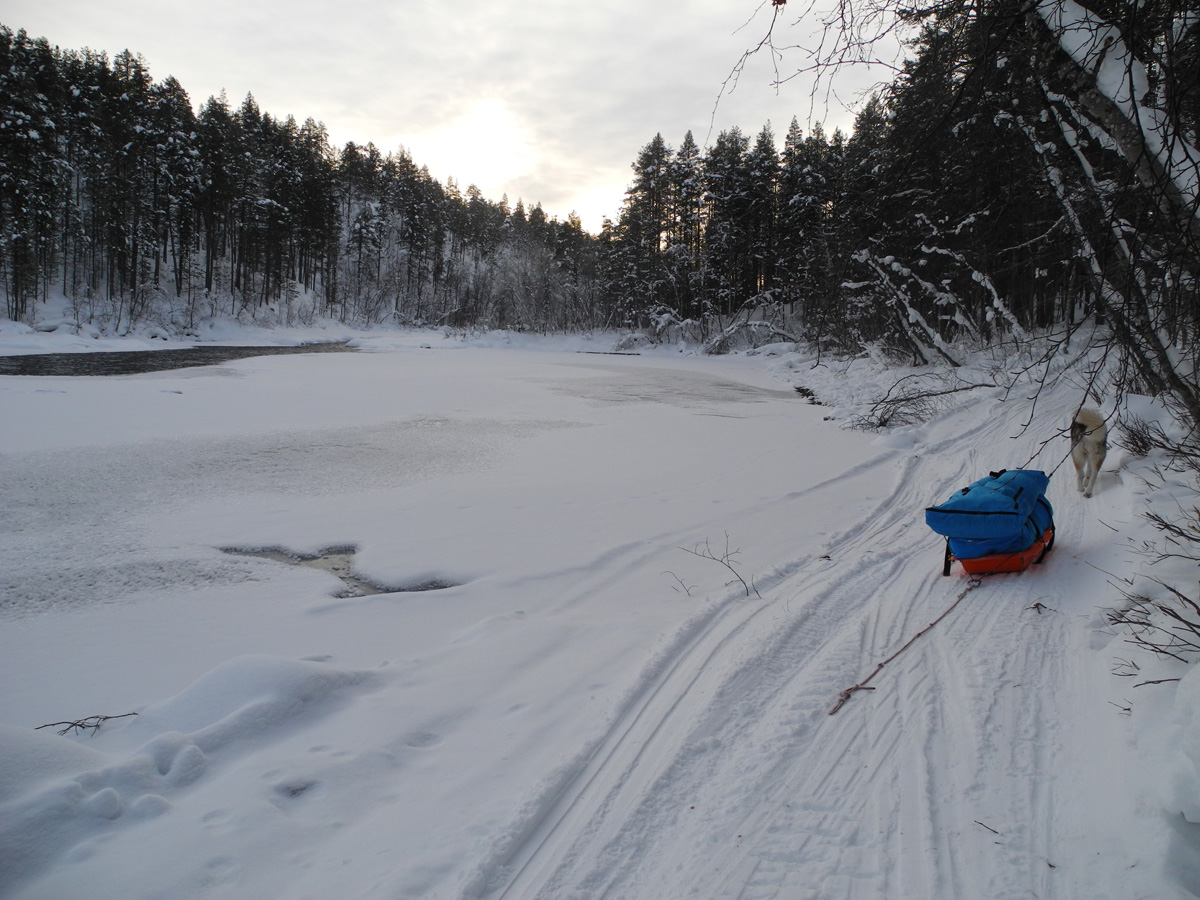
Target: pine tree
316,213
217,140
762,165
176,175
727,239
685,238
249,191
805,203
32,183
127,187
644,229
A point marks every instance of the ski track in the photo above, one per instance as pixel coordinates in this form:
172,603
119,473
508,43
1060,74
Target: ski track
727,756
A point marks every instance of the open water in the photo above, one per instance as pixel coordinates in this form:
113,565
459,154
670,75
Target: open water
134,362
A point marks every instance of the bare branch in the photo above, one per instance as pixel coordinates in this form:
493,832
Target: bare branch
92,722
726,559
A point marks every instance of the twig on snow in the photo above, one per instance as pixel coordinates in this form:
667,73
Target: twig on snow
725,559
686,588
92,722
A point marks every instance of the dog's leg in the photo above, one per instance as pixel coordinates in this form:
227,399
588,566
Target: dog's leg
1095,460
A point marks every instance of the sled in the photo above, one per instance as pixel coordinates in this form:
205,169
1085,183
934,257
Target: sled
1001,523
997,563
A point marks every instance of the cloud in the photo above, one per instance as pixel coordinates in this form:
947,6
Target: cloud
546,100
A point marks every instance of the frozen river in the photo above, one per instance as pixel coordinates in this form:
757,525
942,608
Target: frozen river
97,458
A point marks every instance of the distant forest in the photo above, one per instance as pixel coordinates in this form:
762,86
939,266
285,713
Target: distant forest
975,196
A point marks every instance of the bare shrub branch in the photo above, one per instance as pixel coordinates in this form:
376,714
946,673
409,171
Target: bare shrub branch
910,402
92,722
705,551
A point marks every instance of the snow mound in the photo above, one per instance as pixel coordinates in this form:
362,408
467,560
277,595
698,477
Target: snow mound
60,798
245,698
34,757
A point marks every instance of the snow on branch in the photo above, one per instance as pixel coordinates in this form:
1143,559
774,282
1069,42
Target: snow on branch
984,281
1114,87
919,332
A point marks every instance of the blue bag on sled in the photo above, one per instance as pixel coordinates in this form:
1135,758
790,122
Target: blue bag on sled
1002,522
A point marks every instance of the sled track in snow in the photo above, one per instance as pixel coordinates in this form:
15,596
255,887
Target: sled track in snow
726,754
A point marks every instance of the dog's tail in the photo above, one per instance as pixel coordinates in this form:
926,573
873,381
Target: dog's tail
1090,418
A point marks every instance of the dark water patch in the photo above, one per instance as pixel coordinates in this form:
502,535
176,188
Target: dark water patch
136,362
433,584
338,561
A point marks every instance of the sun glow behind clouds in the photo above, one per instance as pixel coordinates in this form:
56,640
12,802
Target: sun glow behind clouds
485,146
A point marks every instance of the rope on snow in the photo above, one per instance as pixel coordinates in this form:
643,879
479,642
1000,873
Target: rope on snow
862,685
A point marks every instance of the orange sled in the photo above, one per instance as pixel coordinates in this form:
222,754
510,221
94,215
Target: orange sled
995,563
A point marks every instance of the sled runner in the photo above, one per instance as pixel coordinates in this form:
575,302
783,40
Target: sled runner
1001,523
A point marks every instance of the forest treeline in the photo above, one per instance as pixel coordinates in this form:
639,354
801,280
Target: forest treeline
114,189
974,196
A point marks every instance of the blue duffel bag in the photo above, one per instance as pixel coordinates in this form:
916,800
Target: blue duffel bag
1006,512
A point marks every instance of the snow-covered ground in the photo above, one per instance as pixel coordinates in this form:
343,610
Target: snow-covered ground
592,704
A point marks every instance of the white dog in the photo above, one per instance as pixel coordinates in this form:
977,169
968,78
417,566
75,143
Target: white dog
1089,445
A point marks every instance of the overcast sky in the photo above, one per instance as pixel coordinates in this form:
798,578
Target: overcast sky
542,100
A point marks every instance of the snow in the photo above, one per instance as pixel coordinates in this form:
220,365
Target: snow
595,706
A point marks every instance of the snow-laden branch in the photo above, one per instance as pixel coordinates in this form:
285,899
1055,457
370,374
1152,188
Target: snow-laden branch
917,329
1130,311
1113,86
